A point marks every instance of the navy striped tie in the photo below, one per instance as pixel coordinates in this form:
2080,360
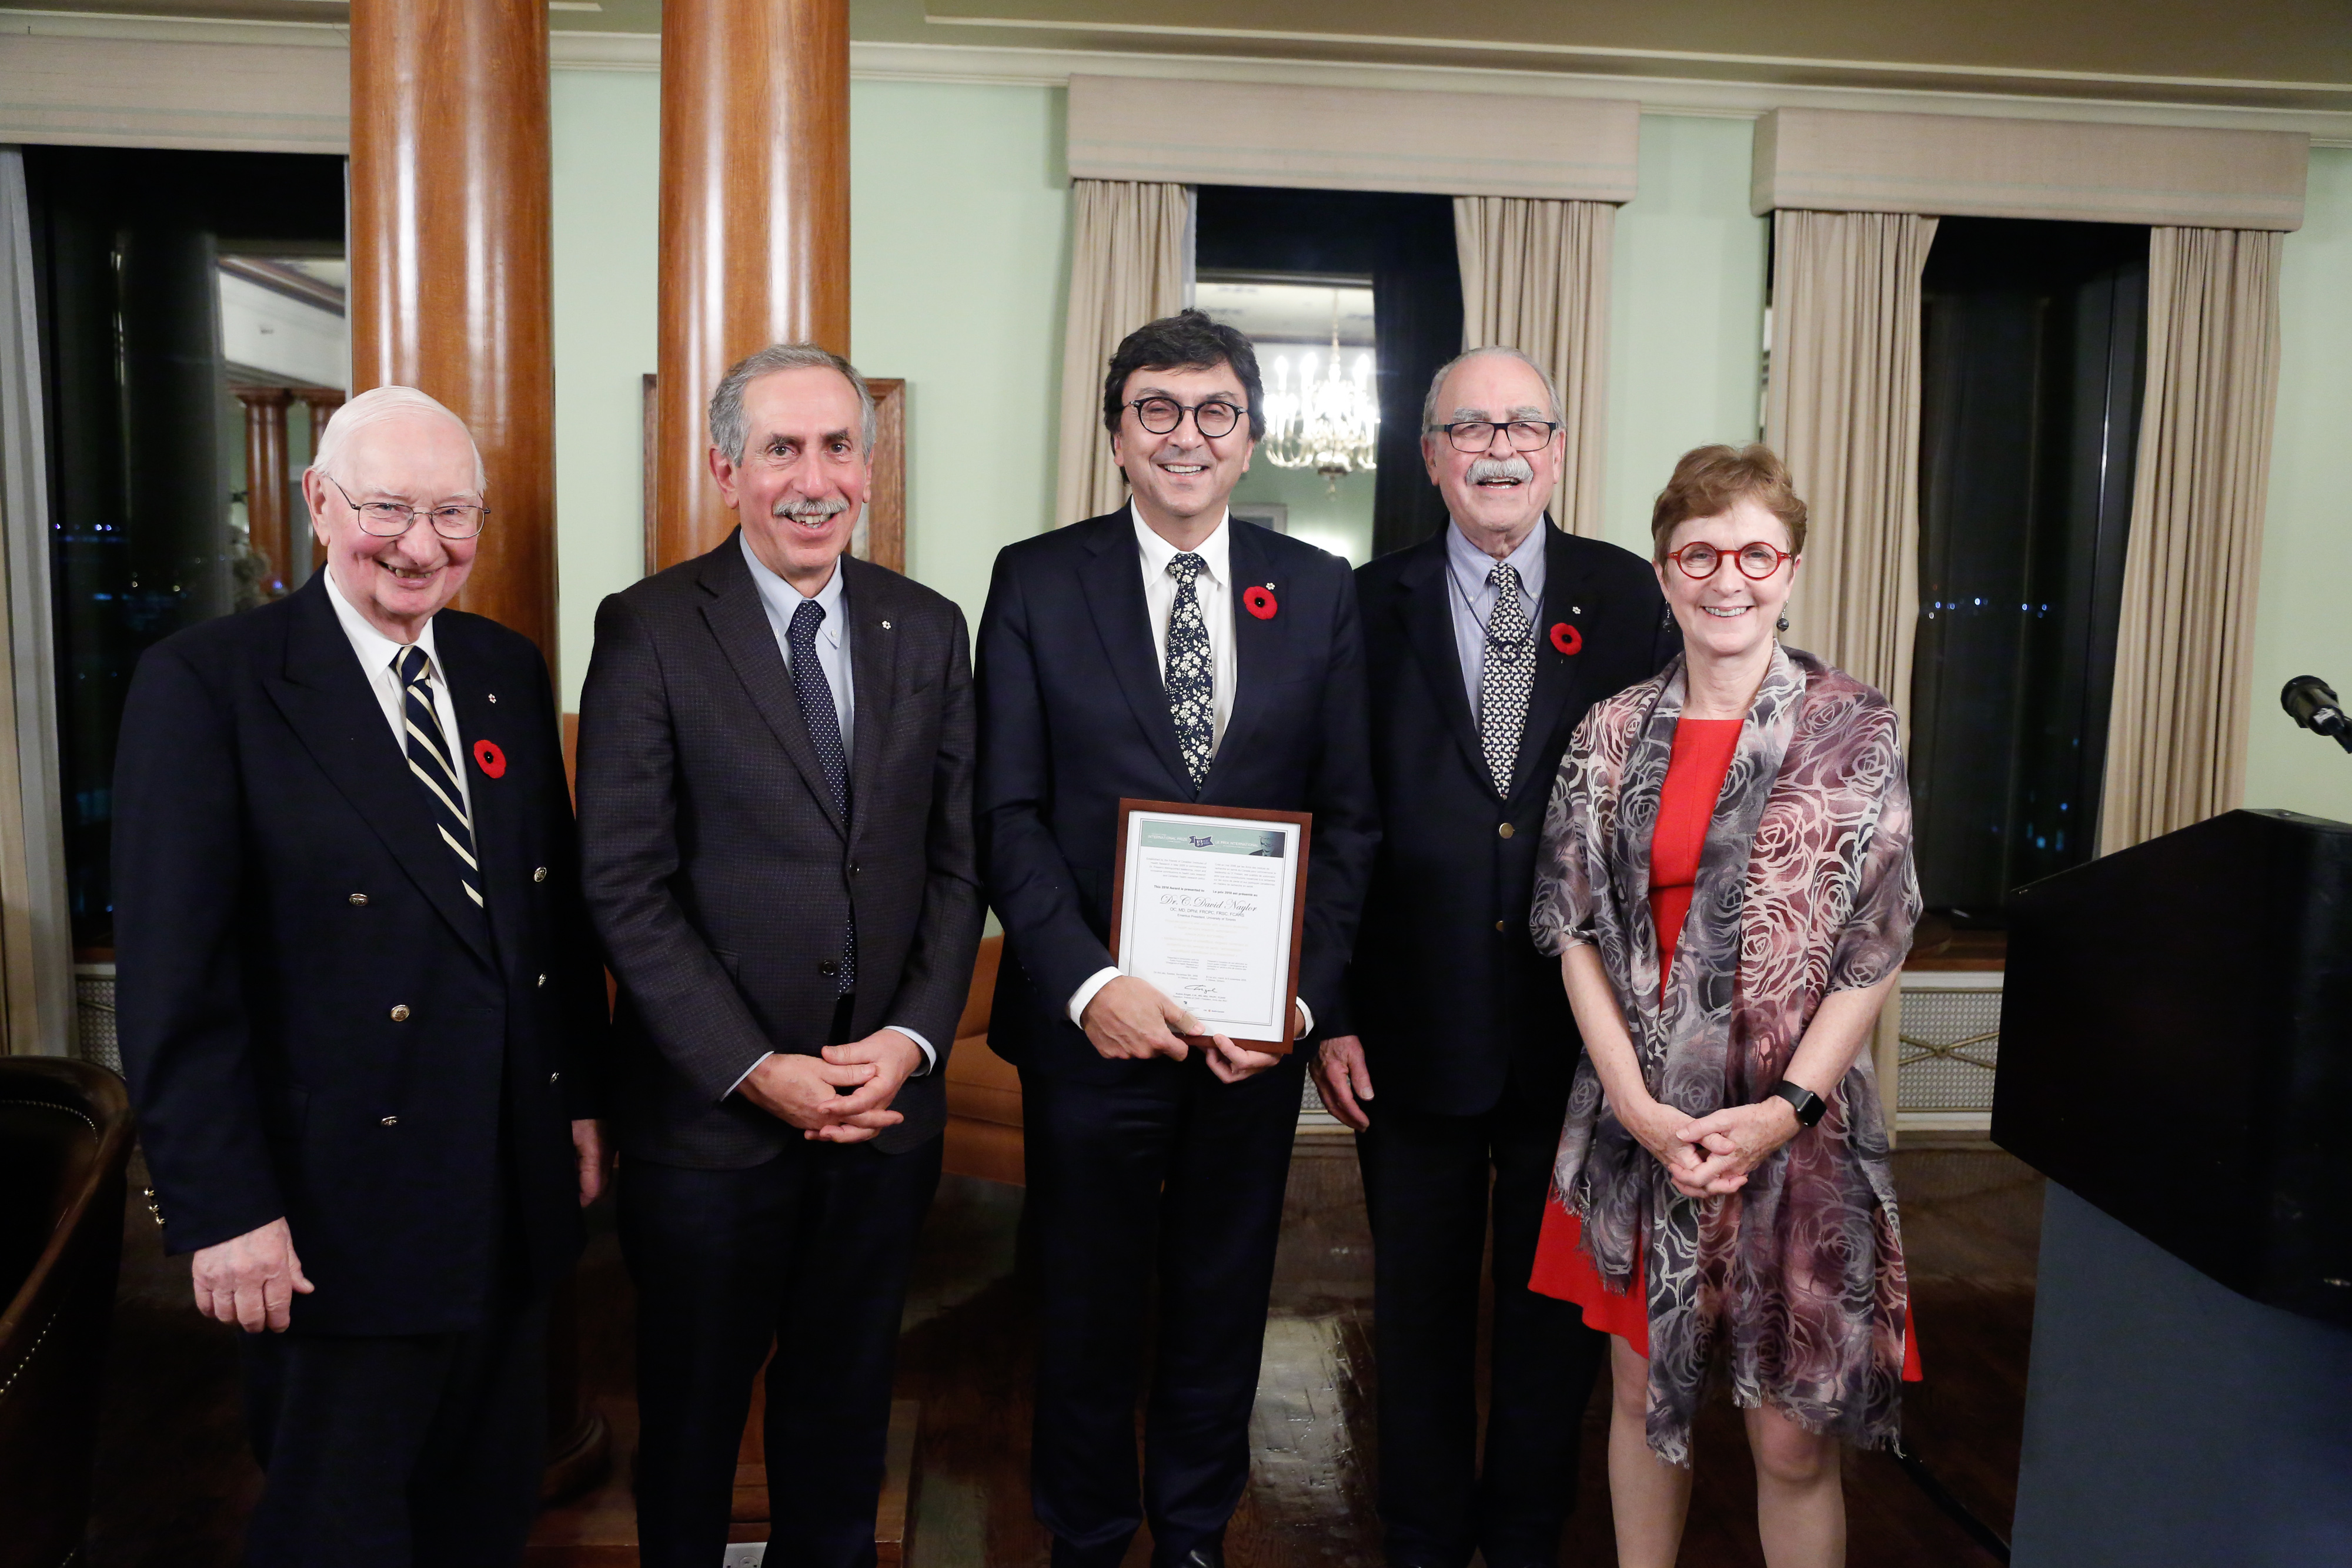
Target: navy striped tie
436,766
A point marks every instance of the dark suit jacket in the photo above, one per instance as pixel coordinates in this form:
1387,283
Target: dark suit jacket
1074,715
718,870
1447,987
315,1021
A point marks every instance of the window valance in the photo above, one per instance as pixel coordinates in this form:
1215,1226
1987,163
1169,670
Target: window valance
1958,165
1352,139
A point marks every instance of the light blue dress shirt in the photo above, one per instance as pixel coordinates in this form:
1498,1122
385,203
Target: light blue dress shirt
780,600
1472,598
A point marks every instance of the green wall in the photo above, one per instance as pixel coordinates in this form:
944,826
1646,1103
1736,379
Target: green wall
2300,624
1685,313
957,256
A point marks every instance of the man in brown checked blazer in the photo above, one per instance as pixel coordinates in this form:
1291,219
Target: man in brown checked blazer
775,802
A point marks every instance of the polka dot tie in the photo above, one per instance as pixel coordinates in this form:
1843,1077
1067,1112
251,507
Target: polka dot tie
1191,671
814,694
1508,679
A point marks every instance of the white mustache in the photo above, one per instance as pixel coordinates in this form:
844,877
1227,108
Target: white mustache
1487,468
812,511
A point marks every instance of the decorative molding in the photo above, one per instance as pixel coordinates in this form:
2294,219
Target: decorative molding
186,82
1351,139
2181,176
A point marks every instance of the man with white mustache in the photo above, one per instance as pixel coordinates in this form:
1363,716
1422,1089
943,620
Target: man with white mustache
1484,647
775,807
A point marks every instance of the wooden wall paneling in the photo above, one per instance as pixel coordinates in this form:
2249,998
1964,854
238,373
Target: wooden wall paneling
323,402
754,219
881,534
264,479
450,264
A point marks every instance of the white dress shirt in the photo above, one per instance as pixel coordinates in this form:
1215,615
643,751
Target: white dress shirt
781,599
1216,591
379,658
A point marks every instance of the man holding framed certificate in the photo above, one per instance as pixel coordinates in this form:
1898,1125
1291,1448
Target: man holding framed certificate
1171,707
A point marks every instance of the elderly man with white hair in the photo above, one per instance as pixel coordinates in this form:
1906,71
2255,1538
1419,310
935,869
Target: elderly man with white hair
362,1011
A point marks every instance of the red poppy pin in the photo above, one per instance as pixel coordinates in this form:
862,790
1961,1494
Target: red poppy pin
489,759
1568,639
1259,601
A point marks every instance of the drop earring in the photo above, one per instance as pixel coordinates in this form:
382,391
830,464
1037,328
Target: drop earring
1781,624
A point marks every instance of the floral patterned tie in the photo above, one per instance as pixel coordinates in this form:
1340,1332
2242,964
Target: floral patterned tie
1192,675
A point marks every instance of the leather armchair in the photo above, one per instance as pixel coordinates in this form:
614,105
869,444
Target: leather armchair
65,1138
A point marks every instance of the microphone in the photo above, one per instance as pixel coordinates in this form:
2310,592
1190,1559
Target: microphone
2312,703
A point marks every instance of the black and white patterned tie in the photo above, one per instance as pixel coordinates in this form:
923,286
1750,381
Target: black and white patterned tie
436,766
815,696
1191,671
1508,679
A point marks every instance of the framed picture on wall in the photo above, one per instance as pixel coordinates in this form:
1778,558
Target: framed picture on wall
881,536
1275,515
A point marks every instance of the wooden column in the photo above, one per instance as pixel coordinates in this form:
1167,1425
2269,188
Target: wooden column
450,268
754,219
264,479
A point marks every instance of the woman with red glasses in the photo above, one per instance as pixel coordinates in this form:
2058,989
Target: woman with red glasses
1726,879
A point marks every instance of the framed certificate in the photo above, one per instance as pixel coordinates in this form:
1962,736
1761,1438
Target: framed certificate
1210,905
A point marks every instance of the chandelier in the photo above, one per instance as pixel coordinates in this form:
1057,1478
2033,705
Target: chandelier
1330,422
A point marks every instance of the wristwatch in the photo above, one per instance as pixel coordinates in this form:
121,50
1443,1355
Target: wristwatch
1808,1105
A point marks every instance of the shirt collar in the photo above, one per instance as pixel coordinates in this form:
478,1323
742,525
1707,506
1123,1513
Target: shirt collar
376,650
1472,565
1215,551
781,597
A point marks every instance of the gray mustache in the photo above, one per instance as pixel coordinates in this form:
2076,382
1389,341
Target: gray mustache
1487,468
812,511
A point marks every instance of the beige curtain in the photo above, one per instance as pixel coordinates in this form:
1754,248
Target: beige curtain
1841,407
1535,277
1127,255
2184,648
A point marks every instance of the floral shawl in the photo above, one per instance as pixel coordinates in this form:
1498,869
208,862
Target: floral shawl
1805,886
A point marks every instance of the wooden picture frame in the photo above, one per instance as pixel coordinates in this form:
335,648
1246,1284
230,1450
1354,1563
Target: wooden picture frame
881,536
1303,821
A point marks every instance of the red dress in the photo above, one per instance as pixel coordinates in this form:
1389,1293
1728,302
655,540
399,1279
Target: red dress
1695,774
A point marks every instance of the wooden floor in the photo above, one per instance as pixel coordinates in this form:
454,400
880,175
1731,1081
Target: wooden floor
176,1485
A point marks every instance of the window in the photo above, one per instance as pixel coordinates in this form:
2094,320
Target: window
2033,340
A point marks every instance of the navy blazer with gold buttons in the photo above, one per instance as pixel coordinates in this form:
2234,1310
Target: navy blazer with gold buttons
315,1021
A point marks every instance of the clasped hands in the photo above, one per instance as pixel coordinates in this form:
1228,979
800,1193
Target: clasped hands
1130,1020
1710,1155
841,1097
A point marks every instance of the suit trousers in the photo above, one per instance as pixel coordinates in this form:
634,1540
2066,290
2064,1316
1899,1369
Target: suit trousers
411,1451
1164,1167
1429,1184
810,1253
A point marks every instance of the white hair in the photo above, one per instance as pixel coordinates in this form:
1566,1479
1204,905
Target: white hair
373,407
1428,421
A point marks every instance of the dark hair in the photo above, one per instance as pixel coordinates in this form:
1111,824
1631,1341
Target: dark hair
1188,340
1710,480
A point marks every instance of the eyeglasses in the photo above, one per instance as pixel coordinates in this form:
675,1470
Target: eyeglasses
1161,415
1478,434
389,520
1758,560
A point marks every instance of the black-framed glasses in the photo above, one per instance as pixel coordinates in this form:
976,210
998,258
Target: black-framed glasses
1478,434
389,520
1161,415
1758,560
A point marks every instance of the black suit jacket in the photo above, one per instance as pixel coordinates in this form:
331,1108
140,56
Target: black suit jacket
1074,715
718,870
315,1021
1448,989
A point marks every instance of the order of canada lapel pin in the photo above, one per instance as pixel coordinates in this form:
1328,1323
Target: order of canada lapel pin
1568,639
1259,601
489,759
